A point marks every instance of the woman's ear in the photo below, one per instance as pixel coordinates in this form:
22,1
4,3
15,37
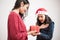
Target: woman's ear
21,4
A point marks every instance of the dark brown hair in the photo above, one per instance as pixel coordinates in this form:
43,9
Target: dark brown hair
17,3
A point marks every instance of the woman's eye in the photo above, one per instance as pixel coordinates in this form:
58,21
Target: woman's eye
27,7
41,16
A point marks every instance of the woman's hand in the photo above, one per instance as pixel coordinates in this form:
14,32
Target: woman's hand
35,34
31,32
44,26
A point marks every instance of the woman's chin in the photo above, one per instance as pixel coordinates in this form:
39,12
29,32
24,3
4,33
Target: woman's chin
42,22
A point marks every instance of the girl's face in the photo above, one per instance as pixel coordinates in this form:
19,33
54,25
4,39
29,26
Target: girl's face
24,7
41,17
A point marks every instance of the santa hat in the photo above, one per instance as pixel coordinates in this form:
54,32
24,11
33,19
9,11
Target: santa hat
41,11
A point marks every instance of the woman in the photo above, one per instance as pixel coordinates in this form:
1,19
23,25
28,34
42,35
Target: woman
16,27
46,25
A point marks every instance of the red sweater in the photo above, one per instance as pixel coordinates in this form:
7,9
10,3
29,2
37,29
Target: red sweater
16,27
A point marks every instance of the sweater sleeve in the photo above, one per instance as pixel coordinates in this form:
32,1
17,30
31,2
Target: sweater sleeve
14,30
49,34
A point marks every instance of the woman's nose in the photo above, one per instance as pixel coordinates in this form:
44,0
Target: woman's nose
25,10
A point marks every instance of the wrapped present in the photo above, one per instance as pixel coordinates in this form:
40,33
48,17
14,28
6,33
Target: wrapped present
34,28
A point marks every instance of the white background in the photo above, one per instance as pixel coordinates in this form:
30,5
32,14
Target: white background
53,7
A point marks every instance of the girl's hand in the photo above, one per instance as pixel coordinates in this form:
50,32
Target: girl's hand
35,34
44,26
31,32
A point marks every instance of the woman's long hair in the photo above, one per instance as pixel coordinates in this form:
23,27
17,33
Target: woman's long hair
47,20
17,5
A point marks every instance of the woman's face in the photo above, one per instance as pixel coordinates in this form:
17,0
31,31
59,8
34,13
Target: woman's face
24,7
41,17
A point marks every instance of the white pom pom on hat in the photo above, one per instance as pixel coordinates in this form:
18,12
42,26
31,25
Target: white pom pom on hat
41,11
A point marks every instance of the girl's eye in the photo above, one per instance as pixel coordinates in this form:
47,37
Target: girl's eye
41,16
27,7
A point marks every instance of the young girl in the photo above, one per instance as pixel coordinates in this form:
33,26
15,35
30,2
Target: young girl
16,27
45,24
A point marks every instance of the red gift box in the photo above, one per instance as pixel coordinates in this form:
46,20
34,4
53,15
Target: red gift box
33,28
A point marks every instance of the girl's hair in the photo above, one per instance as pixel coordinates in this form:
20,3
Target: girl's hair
47,20
17,3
